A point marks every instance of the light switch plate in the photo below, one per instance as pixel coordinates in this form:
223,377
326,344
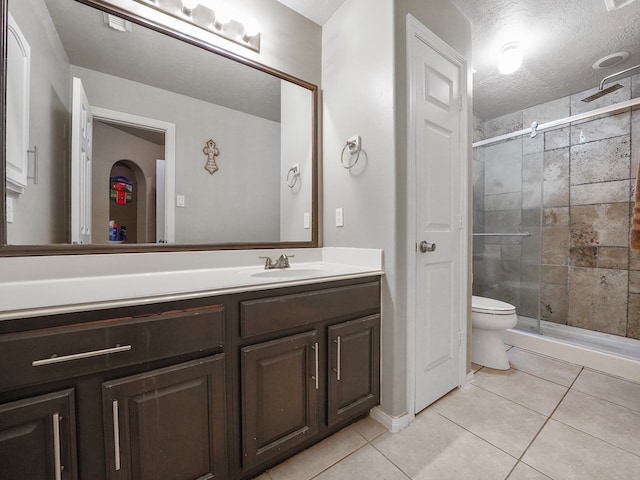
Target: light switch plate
339,217
9,210
307,220
179,200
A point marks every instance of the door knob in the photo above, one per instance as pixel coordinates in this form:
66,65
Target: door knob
427,247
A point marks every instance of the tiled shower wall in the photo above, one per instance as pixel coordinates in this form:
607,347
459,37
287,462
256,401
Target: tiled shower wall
571,188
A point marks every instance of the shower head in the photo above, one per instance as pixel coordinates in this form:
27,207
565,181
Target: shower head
604,91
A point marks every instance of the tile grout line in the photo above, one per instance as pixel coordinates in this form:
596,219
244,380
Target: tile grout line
519,460
409,477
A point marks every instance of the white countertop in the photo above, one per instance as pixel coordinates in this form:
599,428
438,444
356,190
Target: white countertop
37,286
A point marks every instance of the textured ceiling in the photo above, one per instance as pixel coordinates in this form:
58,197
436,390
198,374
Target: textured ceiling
561,40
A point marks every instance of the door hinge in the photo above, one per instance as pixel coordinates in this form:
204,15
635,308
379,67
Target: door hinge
460,103
460,338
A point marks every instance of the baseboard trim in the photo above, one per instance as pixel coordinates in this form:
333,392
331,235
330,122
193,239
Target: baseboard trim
393,424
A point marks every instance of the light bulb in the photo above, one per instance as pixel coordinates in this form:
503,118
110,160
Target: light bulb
251,29
510,58
222,17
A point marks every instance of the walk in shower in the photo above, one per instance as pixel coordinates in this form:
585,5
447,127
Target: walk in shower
552,203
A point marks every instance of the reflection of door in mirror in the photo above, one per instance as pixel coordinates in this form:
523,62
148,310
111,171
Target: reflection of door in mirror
81,165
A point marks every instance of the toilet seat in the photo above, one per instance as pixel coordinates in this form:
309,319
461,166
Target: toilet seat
491,306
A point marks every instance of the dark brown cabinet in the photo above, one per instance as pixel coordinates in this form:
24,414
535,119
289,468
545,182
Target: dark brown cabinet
168,423
309,365
37,438
280,396
203,388
354,373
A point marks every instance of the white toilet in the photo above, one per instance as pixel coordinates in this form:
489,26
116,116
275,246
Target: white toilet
489,319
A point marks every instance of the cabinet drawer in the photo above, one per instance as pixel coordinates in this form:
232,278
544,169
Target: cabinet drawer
80,349
268,315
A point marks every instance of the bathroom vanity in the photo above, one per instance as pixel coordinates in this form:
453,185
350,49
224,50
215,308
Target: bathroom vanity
217,383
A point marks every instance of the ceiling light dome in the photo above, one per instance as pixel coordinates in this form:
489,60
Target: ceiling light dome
510,58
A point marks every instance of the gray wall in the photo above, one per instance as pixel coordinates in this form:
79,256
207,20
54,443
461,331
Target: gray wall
295,149
239,202
41,213
364,77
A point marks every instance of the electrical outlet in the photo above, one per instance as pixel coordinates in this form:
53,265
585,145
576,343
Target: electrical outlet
9,209
339,217
307,220
179,200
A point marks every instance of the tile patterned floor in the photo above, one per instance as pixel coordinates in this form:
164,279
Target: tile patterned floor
542,419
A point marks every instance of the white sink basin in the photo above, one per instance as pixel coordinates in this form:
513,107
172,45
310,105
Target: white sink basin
290,273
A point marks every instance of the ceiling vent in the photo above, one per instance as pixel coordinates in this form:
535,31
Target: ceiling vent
616,4
117,23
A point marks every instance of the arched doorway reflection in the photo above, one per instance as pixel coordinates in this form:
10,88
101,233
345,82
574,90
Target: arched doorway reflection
127,201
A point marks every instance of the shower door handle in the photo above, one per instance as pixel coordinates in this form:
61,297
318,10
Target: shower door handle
427,247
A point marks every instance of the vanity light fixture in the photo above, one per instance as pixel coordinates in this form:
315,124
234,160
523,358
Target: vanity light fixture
215,21
510,58
222,17
188,6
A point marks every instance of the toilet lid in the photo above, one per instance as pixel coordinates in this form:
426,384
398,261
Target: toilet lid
490,305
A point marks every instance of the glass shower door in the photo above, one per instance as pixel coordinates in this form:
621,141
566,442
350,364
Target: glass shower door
507,208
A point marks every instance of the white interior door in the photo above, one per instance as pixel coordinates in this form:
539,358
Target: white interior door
436,152
81,140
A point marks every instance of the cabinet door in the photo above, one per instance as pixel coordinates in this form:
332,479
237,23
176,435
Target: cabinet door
354,368
279,396
37,438
168,423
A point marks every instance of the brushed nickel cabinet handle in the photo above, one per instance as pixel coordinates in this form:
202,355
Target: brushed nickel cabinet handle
57,460
79,356
116,435
338,368
315,348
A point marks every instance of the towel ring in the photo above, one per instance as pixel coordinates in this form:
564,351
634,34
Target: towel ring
353,144
292,177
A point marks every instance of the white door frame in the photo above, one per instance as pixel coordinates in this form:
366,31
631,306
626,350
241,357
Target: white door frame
169,129
417,29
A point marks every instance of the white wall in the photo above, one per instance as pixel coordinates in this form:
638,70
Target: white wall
239,202
364,92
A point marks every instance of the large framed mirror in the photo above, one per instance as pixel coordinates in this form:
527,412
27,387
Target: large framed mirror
125,135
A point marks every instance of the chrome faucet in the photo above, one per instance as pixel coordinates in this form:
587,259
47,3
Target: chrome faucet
281,262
